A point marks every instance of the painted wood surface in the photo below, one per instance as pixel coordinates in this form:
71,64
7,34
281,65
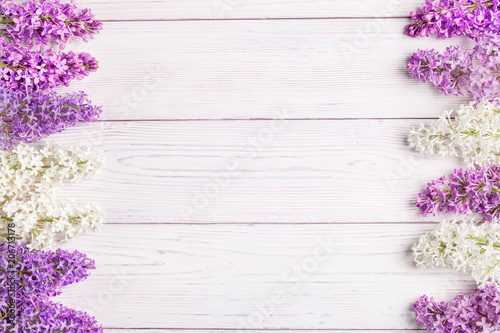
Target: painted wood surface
284,276
254,331
276,171
125,330
246,9
237,147
255,69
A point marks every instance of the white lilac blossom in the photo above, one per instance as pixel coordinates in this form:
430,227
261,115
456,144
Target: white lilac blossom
28,168
39,220
474,134
467,246
29,180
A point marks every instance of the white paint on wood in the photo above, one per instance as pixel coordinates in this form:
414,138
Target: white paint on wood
258,276
125,330
169,264
246,9
257,171
259,69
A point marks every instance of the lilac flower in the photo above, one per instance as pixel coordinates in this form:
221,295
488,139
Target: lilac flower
445,18
478,311
458,71
37,275
44,21
32,116
468,191
46,316
24,68
41,273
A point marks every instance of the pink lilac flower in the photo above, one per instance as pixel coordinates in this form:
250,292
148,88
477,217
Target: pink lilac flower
27,69
458,71
43,21
468,191
447,18
37,275
477,311
35,115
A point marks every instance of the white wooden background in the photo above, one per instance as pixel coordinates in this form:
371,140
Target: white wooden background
241,136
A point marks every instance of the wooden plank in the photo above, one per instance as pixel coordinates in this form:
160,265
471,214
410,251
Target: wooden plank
258,277
245,9
131,330
255,69
276,171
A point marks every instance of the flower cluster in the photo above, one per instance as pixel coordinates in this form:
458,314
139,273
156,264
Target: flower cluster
445,18
466,246
29,179
47,316
27,169
41,218
29,72
474,134
468,191
31,117
39,275
23,68
458,71
478,311
44,21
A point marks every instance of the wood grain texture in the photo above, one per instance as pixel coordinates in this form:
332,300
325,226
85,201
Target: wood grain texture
245,9
126,330
311,276
246,70
213,215
256,171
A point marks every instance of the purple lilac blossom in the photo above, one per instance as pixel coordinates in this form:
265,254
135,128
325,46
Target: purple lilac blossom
42,273
28,69
32,116
458,71
445,18
46,316
39,275
478,311
468,191
43,21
